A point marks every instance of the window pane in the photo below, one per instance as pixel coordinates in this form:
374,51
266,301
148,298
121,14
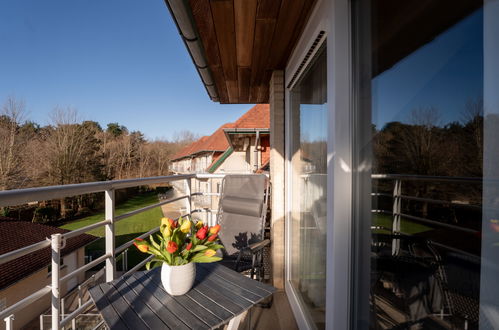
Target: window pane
308,209
434,163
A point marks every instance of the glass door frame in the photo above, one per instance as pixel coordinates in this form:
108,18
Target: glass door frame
333,18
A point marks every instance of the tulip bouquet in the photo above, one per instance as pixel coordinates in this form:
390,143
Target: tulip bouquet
181,242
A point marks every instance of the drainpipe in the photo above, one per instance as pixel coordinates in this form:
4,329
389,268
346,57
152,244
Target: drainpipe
257,140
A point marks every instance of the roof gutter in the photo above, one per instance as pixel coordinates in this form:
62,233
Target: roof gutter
181,14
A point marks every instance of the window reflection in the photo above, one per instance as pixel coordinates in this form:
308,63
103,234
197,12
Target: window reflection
308,210
427,113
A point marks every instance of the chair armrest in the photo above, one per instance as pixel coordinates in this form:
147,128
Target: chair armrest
258,245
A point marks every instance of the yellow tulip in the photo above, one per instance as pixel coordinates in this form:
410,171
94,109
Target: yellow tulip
199,224
167,232
186,227
164,222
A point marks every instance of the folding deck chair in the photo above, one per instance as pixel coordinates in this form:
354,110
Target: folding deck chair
241,214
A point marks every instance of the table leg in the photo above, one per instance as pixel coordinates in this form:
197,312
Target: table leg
234,322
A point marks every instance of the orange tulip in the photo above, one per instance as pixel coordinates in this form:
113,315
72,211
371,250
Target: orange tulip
172,247
141,245
210,253
212,238
215,229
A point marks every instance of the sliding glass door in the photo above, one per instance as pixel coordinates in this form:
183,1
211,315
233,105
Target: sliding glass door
308,178
431,81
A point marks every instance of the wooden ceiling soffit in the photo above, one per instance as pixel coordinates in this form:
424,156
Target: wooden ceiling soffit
245,14
244,40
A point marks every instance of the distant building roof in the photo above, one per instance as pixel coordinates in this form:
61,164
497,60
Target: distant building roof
256,117
213,143
189,149
18,234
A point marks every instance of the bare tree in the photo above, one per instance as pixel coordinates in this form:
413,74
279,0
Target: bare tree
11,144
185,137
472,118
68,146
419,139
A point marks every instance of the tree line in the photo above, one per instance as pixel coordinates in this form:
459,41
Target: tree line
70,150
424,146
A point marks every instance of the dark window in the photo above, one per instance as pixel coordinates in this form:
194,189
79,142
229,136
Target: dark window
434,197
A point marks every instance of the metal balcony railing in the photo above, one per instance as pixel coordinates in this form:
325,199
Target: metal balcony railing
58,319
56,242
397,211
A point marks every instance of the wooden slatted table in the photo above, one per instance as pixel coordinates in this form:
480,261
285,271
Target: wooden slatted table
139,301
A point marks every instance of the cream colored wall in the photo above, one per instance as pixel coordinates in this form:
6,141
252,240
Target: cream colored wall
236,163
31,284
197,164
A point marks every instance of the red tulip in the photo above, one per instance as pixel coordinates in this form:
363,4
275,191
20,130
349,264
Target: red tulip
173,223
172,247
212,238
215,229
189,246
201,234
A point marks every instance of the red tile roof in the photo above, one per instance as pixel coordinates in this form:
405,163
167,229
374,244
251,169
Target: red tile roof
189,149
18,234
213,143
256,117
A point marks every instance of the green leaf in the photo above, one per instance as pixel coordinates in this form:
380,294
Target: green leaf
153,242
205,259
215,246
198,248
155,262
169,258
179,261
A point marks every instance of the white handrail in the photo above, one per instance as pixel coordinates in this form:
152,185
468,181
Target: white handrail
21,196
6,257
25,302
75,313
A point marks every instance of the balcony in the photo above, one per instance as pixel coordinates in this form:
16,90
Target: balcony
188,200
392,226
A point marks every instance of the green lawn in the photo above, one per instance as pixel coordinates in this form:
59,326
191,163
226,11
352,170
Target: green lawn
406,226
126,229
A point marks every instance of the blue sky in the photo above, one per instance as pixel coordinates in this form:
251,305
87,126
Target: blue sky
444,74
114,61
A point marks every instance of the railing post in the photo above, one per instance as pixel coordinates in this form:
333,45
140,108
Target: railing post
9,322
210,205
125,260
110,237
79,296
62,310
188,201
397,209
56,263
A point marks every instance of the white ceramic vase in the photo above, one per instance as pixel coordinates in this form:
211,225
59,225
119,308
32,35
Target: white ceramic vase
178,280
